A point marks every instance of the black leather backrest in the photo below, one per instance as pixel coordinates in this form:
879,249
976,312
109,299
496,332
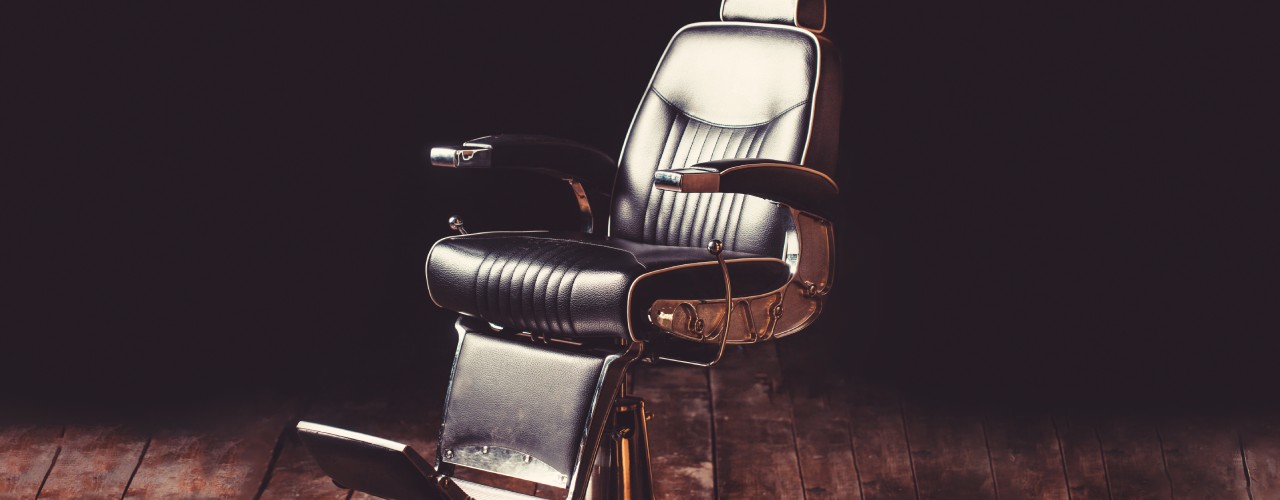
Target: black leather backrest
727,90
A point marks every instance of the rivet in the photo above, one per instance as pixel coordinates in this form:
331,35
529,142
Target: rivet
484,449
528,458
448,453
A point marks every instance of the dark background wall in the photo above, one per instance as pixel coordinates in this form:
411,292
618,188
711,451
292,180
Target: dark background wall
208,197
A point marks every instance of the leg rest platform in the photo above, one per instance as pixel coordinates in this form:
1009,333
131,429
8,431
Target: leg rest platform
529,410
374,465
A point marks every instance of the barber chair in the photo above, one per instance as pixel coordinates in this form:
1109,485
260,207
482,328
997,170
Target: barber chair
719,233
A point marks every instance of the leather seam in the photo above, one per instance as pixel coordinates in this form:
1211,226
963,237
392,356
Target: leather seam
573,328
552,265
721,125
585,243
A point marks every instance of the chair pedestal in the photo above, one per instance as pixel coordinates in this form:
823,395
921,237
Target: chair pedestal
622,469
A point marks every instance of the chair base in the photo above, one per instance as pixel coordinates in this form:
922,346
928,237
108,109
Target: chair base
622,468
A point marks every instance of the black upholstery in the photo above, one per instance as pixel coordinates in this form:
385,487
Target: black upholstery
723,90
489,412
570,284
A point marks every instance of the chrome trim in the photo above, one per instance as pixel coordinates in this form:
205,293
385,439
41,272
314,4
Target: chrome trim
448,392
512,463
599,414
465,156
352,435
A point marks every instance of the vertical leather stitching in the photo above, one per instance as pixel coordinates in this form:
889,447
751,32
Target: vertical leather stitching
481,290
577,271
669,151
542,286
494,285
529,285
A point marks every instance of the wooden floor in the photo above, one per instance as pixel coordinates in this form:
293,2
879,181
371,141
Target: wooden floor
767,423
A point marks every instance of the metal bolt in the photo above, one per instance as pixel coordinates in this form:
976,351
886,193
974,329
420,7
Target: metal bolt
528,458
448,453
484,449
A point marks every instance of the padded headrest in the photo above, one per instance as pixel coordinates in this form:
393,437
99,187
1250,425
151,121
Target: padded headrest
807,14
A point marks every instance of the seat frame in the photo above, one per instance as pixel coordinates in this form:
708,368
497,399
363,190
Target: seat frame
612,449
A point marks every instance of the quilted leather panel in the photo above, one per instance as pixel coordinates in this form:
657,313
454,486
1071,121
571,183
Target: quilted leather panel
563,284
560,287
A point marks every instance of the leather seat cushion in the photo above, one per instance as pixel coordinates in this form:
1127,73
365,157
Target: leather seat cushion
568,284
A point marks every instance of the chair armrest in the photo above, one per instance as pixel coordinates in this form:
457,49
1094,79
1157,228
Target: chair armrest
565,159
796,186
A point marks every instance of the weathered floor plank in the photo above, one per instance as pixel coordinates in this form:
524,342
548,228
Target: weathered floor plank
224,458
819,399
27,452
296,475
879,437
1135,464
1082,456
96,462
680,440
948,452
1203,458
413,419
1260,446
1025,457
549,492
753,427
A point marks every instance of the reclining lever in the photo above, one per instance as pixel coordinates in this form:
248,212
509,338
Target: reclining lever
456,224
716,247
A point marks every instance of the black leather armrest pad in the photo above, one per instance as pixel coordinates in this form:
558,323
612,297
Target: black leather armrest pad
374,465
797,186
538,153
